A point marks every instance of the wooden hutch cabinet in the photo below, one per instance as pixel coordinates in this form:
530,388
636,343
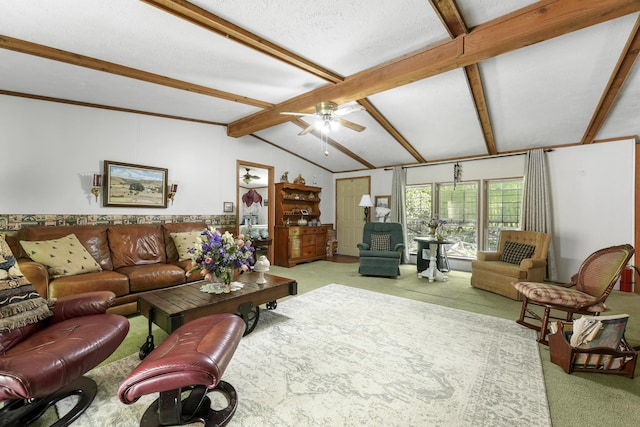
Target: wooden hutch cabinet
295,243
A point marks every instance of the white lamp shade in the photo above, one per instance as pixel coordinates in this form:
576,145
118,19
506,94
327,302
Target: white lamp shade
365,202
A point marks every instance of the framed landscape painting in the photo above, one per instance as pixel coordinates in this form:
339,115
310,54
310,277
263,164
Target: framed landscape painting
129,185
383,201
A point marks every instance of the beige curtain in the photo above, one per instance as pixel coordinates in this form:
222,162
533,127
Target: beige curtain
398,213
536,204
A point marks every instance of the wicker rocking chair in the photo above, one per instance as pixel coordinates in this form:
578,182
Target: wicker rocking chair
585,294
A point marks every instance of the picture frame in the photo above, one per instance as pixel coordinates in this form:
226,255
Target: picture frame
137,186
383,201
227,207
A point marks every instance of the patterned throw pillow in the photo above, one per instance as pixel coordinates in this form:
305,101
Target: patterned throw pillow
380,242
514,252
64,257
185,241
20,304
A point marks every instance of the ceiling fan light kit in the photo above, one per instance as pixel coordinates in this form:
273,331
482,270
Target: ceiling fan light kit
328,118
247,177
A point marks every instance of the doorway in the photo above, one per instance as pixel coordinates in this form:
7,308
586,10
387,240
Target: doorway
349,216
254,213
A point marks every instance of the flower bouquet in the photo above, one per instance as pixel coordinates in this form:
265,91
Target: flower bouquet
216,255
434,224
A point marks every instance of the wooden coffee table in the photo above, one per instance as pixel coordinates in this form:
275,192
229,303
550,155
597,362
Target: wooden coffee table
173,307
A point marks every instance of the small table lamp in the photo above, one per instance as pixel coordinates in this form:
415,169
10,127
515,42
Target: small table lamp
366,203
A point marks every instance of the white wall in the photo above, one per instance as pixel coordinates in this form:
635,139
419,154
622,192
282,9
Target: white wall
50,152
592,190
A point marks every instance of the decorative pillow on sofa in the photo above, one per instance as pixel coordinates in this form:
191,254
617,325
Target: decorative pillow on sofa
380,241
20,304
514,252
185,241
64,257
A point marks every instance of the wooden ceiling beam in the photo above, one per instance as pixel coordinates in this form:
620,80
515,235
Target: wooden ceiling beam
106,107
42,51
306,159
472,73
451,18
333,143
541,21
377,115
621,72
207,20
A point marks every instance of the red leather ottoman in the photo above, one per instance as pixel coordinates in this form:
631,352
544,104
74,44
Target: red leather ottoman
194,357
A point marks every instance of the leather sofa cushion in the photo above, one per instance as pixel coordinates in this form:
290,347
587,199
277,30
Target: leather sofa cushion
102,281
152,276
136,245
92,237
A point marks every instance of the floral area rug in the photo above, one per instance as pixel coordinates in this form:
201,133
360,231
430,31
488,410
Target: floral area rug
341,356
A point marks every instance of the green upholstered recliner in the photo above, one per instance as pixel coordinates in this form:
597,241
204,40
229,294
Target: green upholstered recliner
381,249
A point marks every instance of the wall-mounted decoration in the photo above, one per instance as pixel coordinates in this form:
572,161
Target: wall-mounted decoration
383,201
382,208
129,185
227,207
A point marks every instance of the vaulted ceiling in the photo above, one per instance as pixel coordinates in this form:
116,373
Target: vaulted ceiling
437,79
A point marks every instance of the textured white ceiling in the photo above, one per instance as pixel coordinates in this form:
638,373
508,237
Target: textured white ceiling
541,95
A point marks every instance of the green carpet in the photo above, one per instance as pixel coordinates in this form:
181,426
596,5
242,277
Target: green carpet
575,399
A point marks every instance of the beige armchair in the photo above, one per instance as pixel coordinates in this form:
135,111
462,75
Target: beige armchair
521,257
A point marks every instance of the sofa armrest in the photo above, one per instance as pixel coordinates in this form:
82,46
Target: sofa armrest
399,247
37,274
528,263
83,304
489,256
363,246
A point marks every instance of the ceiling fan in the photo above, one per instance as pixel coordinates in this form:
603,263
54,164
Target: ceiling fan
328,116
247,177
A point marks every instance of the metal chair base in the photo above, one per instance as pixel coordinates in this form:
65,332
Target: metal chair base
171,410
24,412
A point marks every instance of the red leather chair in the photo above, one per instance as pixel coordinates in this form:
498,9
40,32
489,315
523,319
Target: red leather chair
44,362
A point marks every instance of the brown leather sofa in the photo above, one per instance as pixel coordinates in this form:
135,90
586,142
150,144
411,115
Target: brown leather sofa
134,259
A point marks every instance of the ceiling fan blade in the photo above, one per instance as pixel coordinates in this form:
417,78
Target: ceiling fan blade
307,130
351,125
286,113
348,110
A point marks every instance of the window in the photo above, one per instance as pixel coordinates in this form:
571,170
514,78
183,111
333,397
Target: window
418,212
458,205
504,206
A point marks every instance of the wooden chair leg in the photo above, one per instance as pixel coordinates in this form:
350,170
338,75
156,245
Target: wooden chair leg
542,338
523,311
